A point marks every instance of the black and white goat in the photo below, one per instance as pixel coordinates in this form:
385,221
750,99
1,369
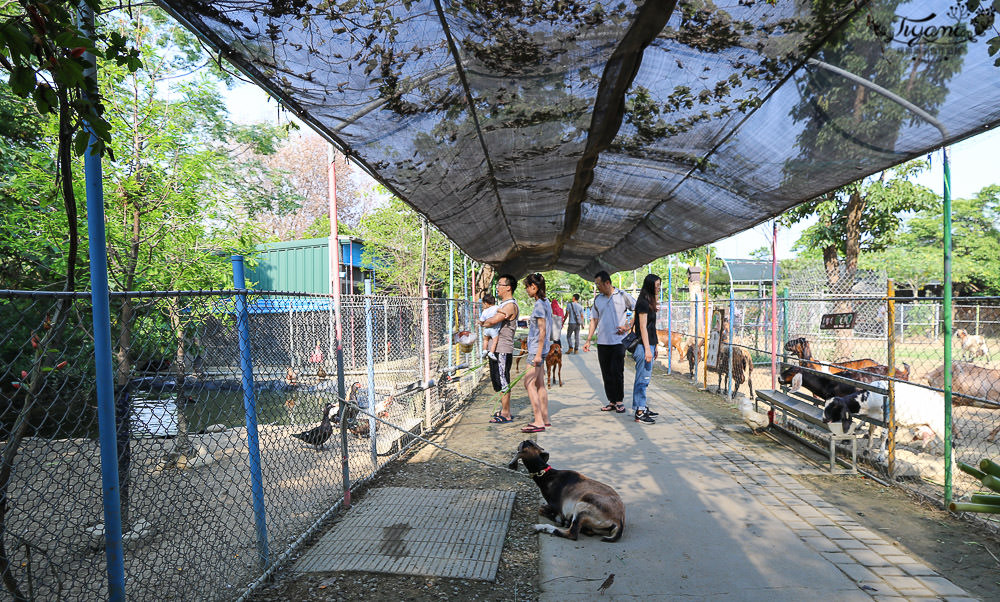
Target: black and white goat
919,411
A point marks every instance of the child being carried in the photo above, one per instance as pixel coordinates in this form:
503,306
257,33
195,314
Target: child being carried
490,339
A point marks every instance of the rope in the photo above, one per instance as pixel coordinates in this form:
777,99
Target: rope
429,442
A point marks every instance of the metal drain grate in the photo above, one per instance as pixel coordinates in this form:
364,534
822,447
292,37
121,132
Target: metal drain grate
435,532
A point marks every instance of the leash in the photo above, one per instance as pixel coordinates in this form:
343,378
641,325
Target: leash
429,442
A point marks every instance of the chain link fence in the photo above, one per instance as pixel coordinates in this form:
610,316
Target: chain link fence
914,341
189,524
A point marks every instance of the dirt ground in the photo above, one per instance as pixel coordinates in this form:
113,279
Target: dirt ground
965,553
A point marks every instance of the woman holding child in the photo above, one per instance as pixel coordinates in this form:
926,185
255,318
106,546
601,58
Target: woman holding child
539,325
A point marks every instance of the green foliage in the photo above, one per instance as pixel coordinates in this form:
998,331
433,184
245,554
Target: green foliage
883,202
917,258
393,245
46,52
190,181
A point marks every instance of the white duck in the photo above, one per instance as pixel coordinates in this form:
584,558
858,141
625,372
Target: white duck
753,419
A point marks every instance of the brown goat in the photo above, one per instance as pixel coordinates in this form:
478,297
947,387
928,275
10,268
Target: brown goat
742,368
969,385
864,370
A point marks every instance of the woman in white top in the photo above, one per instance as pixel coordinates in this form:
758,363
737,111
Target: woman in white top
538,347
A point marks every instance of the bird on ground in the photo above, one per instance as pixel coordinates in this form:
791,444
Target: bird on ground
753,419
607,583
318,435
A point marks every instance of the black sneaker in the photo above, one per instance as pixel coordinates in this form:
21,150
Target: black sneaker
643,417
651,412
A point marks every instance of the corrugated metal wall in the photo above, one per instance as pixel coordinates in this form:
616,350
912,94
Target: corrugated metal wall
304,266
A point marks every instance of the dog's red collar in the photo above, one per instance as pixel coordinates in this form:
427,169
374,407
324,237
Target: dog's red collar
540,472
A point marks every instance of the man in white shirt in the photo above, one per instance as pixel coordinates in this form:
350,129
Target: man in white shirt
609,319
574,318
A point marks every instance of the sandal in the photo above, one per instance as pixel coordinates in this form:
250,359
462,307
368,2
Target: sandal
620,408
548,425
608,407
499,418
531,428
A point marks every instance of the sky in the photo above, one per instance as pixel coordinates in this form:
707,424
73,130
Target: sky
972,168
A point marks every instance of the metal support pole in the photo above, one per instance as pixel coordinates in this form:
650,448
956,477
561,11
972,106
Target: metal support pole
947,328
890,420
784,319
694,374
336,329
250,411
708,273
732,314
425,329
370,357
670,316
451,301
100,303
774,307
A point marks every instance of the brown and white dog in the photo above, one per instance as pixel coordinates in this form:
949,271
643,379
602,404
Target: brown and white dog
524,352
573,500
553,361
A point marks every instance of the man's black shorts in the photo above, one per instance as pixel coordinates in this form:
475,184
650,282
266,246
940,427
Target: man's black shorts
500,371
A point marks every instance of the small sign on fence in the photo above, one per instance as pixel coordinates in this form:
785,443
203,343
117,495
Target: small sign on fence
837,321
715,338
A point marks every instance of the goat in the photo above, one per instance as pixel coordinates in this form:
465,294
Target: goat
865,369
917,409
694,354
742,368
973,345
742,363
968,383
674,341
820,386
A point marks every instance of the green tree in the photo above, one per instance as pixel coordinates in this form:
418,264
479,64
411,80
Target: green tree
393,245
916,259
864,216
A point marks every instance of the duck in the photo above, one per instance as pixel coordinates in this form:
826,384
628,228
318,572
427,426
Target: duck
318,435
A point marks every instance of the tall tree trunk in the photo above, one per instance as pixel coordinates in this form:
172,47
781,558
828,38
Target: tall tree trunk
182,447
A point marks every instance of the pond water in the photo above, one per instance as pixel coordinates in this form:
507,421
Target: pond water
155,414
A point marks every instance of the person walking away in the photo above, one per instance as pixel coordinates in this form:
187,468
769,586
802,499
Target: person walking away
538,347
558,316
506,321
489,334
644,354
574,318
609,319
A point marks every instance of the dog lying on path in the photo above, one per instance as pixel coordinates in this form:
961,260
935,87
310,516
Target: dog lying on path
585,505
553,361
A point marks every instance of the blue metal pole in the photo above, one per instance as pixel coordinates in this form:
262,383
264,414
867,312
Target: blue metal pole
93,171
732,315
370,356
250,409
670,317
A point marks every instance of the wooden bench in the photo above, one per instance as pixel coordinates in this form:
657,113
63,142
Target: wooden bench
810,410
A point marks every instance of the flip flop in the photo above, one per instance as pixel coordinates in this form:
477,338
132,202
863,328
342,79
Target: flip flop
620,408
531,428
548,425
608,407
499,419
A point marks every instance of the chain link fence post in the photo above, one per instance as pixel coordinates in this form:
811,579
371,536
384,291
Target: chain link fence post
250,409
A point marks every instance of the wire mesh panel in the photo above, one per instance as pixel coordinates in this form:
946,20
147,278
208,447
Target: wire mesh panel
915,459
185,457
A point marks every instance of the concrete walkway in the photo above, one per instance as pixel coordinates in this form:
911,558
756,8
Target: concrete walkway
708,517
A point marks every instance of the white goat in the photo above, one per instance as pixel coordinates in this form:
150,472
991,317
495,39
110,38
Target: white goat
918,410
973,345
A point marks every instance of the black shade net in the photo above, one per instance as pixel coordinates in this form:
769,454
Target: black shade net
584,135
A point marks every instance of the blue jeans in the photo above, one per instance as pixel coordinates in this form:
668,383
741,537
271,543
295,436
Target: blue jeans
643,371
